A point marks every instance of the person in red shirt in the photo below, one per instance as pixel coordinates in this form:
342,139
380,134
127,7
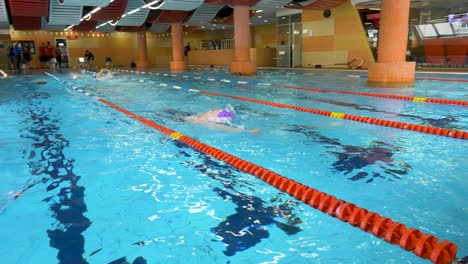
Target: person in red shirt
49,52
42,55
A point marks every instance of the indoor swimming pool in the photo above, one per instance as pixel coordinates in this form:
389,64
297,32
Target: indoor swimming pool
82,182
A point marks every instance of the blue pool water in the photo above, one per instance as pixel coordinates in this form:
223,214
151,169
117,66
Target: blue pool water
83,183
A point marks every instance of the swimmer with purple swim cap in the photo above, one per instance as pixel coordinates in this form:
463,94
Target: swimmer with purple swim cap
226,115
219,118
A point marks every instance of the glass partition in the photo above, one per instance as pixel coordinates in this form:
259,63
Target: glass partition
439,30
427,31
460,28
289,41
437,35
444,29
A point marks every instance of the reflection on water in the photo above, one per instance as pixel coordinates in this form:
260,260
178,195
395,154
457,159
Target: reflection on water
48,161
249,225
354,158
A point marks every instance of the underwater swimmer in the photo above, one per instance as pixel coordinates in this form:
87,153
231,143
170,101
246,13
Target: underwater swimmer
220,119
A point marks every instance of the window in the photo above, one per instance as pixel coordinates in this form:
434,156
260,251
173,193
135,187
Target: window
444,29
460,28
427,31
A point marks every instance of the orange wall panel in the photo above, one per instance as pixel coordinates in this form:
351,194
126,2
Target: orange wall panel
264,36
345,36
308,16
434,47
342,26
320,43
456,46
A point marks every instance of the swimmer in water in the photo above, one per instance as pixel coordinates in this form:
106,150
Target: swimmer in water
4,75
220,119
103,73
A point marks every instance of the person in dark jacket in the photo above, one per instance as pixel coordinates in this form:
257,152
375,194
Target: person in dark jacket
89,57
187,49
18,54
11,58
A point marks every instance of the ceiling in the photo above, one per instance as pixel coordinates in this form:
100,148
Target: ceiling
137,15
156,16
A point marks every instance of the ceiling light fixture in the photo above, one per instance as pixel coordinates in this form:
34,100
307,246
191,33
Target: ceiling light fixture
103,24
150,5
87,17
113,24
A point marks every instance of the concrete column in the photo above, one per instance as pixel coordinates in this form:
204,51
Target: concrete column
178,63
242,63
142,50
391,68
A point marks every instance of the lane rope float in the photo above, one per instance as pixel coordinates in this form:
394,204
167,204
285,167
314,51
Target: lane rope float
387,96
423,245
365,77
441,80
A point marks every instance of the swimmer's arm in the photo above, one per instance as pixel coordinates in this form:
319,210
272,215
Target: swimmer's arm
234,129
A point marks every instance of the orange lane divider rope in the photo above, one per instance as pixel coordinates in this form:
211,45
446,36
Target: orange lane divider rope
363,119
390,96
441,80
423,245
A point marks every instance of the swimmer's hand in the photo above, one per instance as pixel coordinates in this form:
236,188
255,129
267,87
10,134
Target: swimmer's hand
254,131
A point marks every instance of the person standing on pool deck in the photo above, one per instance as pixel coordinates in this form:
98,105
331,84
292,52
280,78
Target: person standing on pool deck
11,58
49,53
187,49
42,56
26,58
18,55
58,57
89,57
